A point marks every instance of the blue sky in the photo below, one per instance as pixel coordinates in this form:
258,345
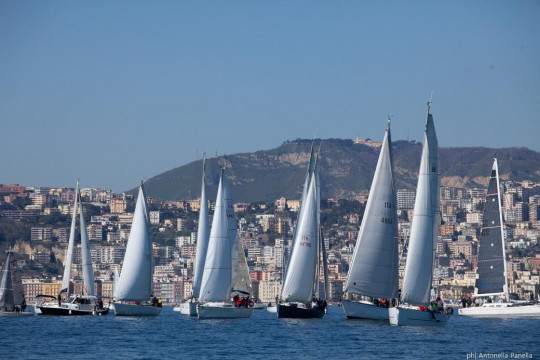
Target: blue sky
118,91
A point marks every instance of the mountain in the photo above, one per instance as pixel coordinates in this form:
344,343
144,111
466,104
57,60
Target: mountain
346,170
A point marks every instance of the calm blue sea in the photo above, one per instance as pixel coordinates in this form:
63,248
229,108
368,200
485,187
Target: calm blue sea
173,336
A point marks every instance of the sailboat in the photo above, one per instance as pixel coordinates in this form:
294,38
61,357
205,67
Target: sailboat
491,278
373,278
415,306
134,287
219,268
76,304
189,307
12,302
242,284
301,279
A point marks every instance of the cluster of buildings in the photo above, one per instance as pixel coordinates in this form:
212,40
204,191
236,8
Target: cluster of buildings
265,232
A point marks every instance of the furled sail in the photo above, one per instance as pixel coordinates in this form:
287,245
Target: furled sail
298,284
419,265
135,282
374,269
491,268
203,234
217,275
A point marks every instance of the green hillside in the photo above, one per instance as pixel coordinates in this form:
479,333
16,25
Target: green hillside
346,170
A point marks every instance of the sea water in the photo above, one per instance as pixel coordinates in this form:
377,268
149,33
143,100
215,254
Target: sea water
263,336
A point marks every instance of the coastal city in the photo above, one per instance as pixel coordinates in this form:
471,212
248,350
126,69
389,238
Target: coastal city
35,220
270,180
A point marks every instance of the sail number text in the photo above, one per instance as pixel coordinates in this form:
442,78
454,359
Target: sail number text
305,241
386,220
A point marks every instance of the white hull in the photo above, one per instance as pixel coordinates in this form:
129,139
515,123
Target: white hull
412,316
272,309
187,308
15,314
496,310
222,311
364,310
136,310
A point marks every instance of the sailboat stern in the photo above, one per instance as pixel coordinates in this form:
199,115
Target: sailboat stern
364,310
404,315
222,311
188,308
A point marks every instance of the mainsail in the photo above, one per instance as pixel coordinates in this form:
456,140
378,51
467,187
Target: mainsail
243,280
69,255
491,268
307,181
203,234
7,297
217,275
232,228
374,270
88,272
419,265
135,282
298,284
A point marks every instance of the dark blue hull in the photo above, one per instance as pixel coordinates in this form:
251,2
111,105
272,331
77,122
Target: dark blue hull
52,311
295,312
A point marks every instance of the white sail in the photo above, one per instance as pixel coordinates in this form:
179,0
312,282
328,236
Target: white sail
374,269
69,255
203,234
86,256
136,278
232,228
217,276
309,173
298,284
419,265
307,181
